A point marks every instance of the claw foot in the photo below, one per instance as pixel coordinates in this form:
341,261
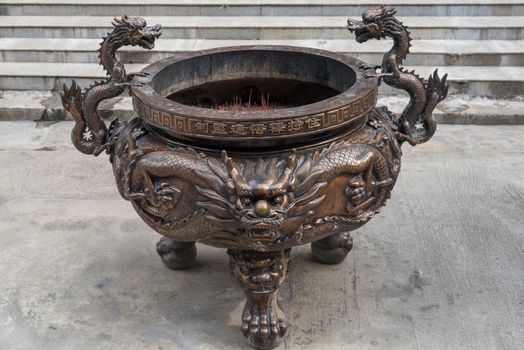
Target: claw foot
260,274
263,325
332,249
176,255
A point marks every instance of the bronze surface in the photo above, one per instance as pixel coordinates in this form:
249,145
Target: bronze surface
256,183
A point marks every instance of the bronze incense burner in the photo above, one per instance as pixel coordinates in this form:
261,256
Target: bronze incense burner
256,149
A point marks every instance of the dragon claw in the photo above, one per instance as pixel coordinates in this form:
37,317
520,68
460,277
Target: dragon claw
356,191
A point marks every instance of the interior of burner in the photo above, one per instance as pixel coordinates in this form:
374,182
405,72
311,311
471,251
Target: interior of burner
253,80
257,94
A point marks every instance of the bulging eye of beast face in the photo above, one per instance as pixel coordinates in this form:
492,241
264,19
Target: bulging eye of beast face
280,201
243,201
262,205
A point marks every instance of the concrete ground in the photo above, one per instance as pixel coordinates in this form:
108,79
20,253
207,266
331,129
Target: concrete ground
442,267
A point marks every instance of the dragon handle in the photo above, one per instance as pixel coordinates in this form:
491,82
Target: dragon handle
416,124
90,134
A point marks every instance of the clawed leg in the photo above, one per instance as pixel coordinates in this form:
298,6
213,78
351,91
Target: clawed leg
176,255
260,274
332,249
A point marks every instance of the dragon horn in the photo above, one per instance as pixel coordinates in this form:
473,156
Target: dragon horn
292,159
117,21
291,165
238,180
271,169
120,21
390,12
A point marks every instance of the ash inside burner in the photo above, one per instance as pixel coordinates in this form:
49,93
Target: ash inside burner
253,94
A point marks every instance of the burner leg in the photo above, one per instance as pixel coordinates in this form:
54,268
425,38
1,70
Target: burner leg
260,275
332,249
176,255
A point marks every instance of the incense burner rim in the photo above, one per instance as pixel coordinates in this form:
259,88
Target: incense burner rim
346,109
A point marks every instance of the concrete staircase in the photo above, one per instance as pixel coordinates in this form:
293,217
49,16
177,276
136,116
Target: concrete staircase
44,43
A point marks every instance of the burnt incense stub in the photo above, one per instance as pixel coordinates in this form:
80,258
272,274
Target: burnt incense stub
256,149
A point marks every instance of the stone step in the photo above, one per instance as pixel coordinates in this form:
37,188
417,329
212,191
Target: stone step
456,109
423,52
264,28
259,8
471,80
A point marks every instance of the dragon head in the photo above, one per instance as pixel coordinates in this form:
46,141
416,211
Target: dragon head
376,23
260,195
135,32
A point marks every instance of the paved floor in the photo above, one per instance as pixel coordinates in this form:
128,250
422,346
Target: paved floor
441,267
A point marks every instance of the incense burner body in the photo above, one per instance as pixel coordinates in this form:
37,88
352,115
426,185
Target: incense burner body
262,180
302,155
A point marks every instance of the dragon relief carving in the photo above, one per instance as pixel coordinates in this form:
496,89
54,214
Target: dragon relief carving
90,134
147,173
265,200
260,195
370,176
416,123
370,161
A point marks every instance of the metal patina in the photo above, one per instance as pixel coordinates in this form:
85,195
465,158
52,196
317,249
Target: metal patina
256,182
